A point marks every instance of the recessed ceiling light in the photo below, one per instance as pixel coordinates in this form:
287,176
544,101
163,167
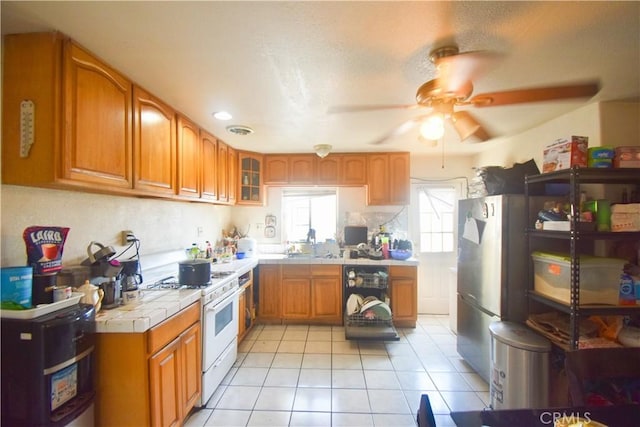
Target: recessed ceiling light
222,115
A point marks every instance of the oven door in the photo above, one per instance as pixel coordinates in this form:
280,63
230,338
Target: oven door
220,327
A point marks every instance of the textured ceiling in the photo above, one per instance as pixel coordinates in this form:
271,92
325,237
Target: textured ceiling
278,67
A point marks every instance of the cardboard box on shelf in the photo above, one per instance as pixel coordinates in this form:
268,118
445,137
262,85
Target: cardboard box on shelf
565,153
627,157
625,217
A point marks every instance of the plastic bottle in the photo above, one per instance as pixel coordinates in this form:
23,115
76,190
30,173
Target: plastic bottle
385,247
209,250
194,251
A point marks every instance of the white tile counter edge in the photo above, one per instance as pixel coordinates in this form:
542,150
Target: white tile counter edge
157,306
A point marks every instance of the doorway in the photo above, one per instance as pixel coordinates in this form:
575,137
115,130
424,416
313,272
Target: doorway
434,216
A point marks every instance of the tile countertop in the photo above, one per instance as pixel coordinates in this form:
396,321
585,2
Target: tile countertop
157,305
283,259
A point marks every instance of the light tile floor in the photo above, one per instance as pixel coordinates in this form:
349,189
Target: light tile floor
311,376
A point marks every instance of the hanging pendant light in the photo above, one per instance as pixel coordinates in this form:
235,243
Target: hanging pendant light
322,150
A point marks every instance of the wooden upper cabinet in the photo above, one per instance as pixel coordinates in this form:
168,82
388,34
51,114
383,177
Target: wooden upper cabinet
353,170
223,173
399,179
302,169
154,141
189,154
232,179
97,121
328,170
210,170
276,169
378,179
76,145
388,179
250,178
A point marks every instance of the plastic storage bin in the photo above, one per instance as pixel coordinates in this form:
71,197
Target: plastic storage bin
599,277
519,367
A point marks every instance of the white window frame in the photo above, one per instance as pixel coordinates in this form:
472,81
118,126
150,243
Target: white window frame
307,194
449,214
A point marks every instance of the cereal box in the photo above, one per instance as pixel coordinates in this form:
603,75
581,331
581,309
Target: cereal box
565,153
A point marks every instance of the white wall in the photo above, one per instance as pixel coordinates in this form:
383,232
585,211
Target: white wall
613,123
160,225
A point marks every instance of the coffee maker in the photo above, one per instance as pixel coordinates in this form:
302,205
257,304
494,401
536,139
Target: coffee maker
130,277
107,277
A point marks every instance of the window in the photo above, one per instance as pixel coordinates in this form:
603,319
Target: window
306,209
437,218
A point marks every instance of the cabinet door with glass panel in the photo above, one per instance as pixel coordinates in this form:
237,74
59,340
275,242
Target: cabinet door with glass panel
250,179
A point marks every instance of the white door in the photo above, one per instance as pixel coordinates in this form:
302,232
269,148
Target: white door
433,220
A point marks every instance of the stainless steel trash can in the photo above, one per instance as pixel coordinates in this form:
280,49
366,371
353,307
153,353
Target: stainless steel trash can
519,367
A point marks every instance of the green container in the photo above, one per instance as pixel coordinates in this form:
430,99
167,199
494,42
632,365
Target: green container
15,288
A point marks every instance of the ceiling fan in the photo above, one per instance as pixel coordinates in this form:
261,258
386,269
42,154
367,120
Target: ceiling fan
452,87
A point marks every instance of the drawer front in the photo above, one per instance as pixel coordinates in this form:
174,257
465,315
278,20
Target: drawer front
168,330
403,271
298,270
325,270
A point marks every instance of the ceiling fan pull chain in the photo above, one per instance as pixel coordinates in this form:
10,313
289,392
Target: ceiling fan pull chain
442,160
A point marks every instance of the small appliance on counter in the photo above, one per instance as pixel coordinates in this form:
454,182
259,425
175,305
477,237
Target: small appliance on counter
248,246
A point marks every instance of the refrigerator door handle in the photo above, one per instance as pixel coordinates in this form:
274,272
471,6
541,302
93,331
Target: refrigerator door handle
471,299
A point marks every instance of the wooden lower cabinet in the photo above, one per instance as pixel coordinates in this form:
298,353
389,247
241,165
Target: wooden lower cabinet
151,378
246,307
306,293
326,293
404,295
269,293
165,385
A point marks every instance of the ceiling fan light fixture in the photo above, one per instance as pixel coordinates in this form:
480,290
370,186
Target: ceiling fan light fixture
433,127
322,150
464,124
427,142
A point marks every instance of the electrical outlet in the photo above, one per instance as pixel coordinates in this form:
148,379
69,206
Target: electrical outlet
127,237
199,231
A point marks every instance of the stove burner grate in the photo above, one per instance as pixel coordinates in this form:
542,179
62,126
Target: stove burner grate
172,283
220,274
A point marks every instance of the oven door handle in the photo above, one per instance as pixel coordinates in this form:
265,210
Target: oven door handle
214,307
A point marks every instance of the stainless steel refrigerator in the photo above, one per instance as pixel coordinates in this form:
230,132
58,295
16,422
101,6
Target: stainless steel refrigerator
492,272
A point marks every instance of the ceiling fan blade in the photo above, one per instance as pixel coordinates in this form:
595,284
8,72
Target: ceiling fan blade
358,108
455,70
549,93
402,128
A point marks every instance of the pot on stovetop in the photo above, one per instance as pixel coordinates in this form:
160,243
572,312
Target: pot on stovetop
194,272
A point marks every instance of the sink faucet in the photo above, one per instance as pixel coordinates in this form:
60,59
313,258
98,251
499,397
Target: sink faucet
311,236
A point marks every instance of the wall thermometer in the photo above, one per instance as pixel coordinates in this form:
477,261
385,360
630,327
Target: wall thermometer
27,126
